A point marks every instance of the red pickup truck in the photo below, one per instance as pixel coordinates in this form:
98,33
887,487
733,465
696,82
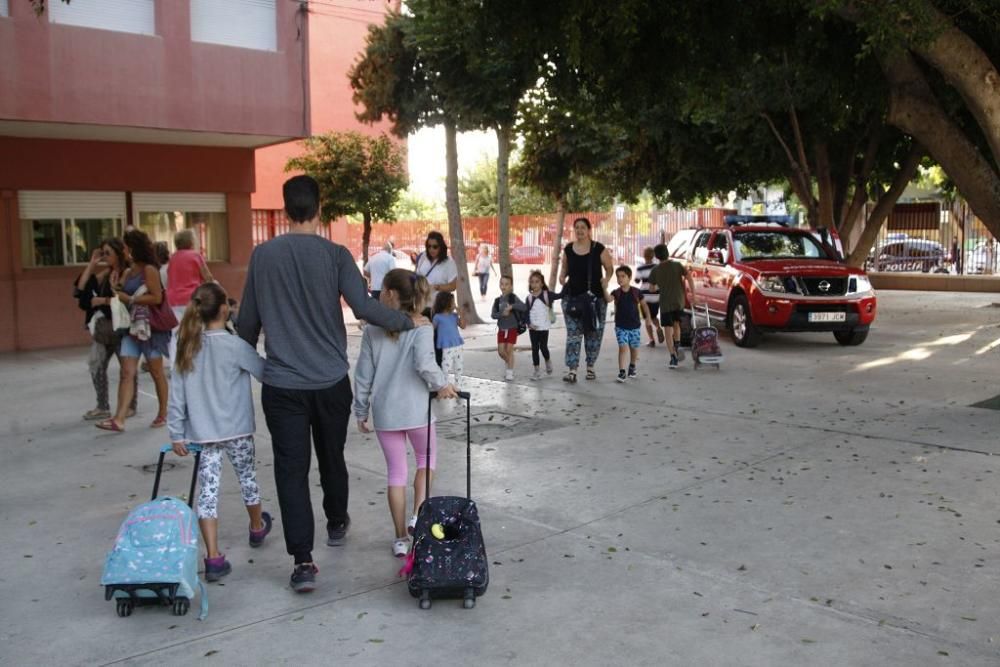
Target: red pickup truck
760,274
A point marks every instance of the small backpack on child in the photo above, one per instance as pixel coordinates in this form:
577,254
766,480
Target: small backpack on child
155,556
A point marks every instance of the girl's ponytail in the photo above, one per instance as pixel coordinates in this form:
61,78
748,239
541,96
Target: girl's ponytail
206,302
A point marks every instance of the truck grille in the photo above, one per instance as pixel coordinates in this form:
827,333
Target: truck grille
834,286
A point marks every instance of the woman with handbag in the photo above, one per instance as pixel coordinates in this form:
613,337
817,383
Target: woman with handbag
149,333
585,307
93,293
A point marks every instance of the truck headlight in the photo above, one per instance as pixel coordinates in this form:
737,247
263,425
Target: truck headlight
859,284
772,284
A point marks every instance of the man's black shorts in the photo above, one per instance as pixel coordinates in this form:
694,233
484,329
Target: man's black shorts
668,317
654,308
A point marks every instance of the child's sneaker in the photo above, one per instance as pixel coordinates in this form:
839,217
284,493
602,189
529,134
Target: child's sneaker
632,374
257,536
509,375
411,524
216,568
621,375
673,362
537,375
548,367
400,547
304,578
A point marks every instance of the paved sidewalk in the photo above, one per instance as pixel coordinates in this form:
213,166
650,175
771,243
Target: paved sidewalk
807,504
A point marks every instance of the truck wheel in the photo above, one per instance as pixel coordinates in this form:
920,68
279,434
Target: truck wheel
745,334
851,336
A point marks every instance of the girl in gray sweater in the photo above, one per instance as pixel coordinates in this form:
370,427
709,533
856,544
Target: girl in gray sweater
393,375
211,406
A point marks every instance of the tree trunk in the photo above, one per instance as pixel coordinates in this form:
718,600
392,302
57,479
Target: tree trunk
557,241
456,236
914,109
884,206
503,197
366,236
966,67
824,183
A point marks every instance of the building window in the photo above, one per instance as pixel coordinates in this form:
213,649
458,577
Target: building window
250,24
135,16
161,215
4,10
64,228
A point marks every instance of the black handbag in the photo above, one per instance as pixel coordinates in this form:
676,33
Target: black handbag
584,307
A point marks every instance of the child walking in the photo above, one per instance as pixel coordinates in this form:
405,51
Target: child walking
394,372
211,405
505,309
629,307
447,322
540,319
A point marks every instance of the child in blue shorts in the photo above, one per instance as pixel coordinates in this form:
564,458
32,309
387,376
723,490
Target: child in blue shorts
630,310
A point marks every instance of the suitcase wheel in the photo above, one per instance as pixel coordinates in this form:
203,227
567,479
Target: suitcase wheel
469,600
425,600
124,607
181,606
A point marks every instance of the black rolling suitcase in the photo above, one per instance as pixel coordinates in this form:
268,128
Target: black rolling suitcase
448,558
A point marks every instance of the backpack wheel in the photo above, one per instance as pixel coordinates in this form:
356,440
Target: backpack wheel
181,606
425,600
469,601
124,608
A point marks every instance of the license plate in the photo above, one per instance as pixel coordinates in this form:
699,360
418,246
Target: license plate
827,317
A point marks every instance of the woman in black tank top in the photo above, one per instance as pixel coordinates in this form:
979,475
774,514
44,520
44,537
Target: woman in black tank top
582,258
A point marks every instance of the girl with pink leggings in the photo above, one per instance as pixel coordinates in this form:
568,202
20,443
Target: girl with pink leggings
391,380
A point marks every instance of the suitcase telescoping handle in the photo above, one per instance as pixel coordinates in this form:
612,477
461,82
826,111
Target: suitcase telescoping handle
708,316
468,444
196,449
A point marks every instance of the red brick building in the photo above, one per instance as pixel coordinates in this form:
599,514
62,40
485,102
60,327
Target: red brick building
162,115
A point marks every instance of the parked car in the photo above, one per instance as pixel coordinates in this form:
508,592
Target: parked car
911,255
759,276
529,254
983,258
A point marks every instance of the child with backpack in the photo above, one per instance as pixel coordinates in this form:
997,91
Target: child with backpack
510,313
447,321
211,405
629,308
540,320
395,370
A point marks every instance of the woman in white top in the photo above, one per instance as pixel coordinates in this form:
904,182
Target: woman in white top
441,273
484,263
437,267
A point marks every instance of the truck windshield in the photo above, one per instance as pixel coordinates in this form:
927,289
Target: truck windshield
776,245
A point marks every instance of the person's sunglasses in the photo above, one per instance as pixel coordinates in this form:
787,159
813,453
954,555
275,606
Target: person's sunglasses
433,246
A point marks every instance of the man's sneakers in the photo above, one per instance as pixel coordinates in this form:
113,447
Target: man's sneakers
216,568
673,362
400,547
336,531
257,536
304,578
621,375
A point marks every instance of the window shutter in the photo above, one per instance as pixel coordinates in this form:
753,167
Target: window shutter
250,24
192,202
50,204
135,16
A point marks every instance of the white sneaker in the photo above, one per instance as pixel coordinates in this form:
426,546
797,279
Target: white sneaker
538,374
548,368
509,375
400,547
411,524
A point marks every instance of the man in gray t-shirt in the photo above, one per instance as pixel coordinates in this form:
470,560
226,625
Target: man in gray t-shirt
293,288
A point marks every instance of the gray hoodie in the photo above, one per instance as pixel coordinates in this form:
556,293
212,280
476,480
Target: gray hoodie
505,322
